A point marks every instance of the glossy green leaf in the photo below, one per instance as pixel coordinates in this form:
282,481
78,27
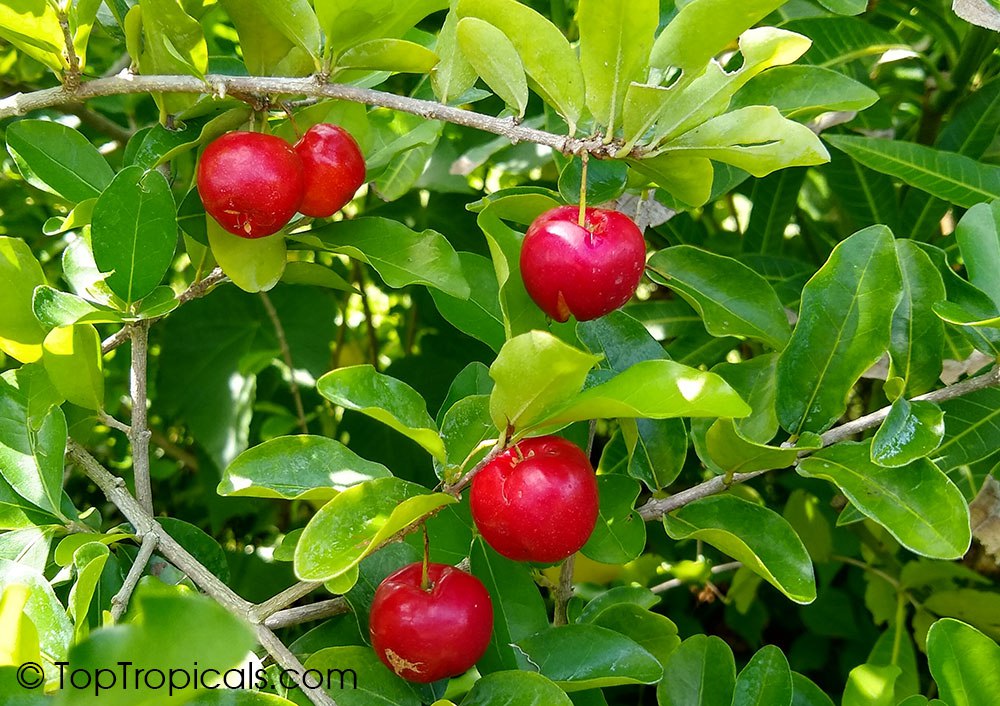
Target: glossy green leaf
33,27
313,274
758,537
843,329
515,689
732,299
453,75
359,678
775,197
473,379
916,503
354,523
864,195
161,145
965,663
978,235
394,403
346,23
550,63
616,37
495,58
89,562
701,672
480,315
838,40
977,608
171,42
76,219
871,685
611,658
254,265
765,681
916,347
754,380
686,178
895,646
606,180
619,595
400,256
620,534
297,468
802,92
47,614
806,693
518,608
53,308
389,55
18,513
653,389
911,431
534,374
735,454
756,139
949,176
655,633
58,159
277,39
971,429
21,335
20,635
134,232
466,427
73,362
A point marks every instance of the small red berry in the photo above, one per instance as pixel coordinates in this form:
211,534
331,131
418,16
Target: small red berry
334,169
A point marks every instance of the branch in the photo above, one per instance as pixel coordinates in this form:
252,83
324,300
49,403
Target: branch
218,85
286,354
674,583
307,613
262,611
138,433
72,75
564,591
120,600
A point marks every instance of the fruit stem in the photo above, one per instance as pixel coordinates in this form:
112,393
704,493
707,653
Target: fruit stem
425,581
583,190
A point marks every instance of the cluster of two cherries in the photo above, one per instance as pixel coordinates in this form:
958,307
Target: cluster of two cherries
537,501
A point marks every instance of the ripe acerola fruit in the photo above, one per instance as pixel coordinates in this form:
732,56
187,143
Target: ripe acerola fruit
428,634
536,501
587,271
250,183
334,169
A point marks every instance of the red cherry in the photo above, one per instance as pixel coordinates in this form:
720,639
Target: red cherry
426,635
250,183
334,169
536,501
585,271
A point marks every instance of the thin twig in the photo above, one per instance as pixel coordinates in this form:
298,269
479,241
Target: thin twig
109,421
307,613
139,430
655,509
459,485
286,355
218,85
71,79
564,591
674,583
120,600
262,611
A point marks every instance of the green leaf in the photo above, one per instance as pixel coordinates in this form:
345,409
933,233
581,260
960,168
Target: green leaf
732,299
134,232
653,389
776,198
765,681
971,428
837,40
843,329
55,630
845,7
655,633
911,431
32,438
611,659
871,685
316,275
494,57
917,504
515,688
965,663
277,39
865,196
735,454
620,534
160,144
76,219
551,64
606,180
20,334
394,403
978,235
803,92
363,679
33,27
53,308
18,513
756,139
73,362
389,55
89,563
400,256
758,537
58,159
254,265
346,23
701,672
480,315
518,608
949,176
806,693
297,468
172,42
466,425
453,75
353,524
616,37
237,698
535,373
688,179
916,347
70,544
619,595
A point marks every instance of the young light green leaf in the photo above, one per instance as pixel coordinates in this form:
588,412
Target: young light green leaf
33,27
401,256
687,178
453,75
58,159
389,55
612,659
277,38
616,37
949,176
394,403
620,534
253,265
347,23
495,59
965,663
88,562
43,608
803,92
163,39
765,681
519,204
758,537
466,426
551,64
73,362
735,454
917,503
978,235
871,685
911,431
843,328
701,672
53,308
353,524
297,468
732,299
515,688
134,232
916,347
21,335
